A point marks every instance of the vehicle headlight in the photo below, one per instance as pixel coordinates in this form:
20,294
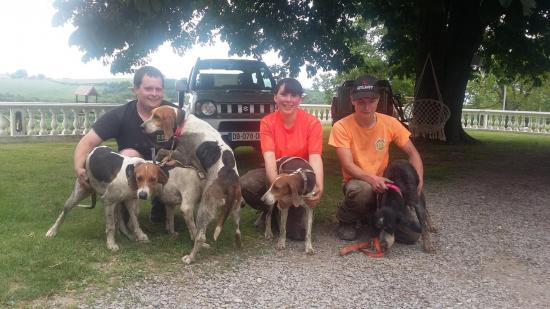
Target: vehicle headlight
208,108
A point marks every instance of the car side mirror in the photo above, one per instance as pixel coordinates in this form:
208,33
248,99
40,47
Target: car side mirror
181,85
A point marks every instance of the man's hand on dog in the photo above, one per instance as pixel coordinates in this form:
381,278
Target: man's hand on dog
82,177
378,183
313,200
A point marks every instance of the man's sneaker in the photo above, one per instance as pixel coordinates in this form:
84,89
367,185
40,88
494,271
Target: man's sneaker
158,212
347,231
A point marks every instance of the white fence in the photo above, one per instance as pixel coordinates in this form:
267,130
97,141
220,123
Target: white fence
513,121
74,119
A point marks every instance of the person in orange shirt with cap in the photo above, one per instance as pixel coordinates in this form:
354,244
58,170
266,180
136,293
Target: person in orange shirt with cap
287,132
362,142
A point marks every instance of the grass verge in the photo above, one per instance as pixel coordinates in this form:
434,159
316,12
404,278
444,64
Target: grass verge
37,178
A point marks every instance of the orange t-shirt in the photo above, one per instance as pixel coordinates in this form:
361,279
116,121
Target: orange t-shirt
301,140
369,146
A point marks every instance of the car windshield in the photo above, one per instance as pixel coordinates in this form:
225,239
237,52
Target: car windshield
249,78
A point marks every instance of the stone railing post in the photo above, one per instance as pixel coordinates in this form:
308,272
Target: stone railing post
4,124
54,122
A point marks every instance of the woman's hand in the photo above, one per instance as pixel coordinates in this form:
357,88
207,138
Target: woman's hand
313,200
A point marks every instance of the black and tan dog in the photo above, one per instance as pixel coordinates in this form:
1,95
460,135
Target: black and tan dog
394,203
192,141
295,181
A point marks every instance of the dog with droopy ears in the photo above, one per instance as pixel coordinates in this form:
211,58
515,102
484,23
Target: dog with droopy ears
119,181
394,204
296,180
192,141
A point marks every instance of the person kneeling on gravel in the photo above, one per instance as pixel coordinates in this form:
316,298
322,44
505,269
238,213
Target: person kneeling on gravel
362,142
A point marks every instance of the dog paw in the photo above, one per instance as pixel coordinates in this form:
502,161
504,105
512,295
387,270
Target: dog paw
428,248
51,233
205,246
433,229
187,259
113,247
142,238
268,235
309,250
281,245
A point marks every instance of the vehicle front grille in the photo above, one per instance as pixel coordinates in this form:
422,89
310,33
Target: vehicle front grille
244,108
242,126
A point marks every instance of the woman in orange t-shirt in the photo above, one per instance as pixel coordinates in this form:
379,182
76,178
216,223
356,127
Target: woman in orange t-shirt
289,131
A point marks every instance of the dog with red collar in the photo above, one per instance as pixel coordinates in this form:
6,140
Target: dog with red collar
394,203
192,141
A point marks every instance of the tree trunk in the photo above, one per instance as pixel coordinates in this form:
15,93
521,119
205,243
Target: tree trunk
452,33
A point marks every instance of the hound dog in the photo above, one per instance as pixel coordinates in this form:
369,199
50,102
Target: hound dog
183,188
394,202
296,180
118,180
193,141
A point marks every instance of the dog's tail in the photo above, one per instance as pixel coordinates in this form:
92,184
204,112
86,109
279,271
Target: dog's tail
230,183
233,200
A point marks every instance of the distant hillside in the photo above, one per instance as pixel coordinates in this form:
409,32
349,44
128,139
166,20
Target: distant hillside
62,90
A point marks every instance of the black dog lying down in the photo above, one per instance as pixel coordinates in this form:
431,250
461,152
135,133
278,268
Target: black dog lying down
394,202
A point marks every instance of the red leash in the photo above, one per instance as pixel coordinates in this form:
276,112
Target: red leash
370,248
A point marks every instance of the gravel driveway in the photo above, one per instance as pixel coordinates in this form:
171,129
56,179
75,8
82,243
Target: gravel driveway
492,252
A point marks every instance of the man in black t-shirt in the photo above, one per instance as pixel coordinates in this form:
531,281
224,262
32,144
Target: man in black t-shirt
123,124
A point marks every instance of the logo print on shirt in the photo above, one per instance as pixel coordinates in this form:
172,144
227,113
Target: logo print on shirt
379,145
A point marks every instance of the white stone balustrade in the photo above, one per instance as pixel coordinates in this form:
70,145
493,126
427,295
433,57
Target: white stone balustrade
75,119
321,111
43,119
512,121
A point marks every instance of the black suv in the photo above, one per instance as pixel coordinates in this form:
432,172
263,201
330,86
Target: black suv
232,95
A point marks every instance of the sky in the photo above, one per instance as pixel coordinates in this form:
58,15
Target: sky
30,42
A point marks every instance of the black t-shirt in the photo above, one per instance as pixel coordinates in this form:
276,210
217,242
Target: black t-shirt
124,125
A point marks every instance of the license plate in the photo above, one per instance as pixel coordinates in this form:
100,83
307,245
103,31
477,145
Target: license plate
244,136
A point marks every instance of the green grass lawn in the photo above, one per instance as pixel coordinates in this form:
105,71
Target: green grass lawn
36,179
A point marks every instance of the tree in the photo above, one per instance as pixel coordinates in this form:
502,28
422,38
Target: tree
21,73
512,34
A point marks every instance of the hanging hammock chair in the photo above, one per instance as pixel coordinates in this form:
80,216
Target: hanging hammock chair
427,117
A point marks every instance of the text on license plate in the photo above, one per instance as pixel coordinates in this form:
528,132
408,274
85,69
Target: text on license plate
244,136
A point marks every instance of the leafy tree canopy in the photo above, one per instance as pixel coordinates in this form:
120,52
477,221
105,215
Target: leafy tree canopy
511,36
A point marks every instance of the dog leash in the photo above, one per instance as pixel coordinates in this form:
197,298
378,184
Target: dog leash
370,248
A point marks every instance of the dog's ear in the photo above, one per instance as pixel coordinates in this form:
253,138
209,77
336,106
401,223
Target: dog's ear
162,177
295,197
180,115
168,124
410,225
131,176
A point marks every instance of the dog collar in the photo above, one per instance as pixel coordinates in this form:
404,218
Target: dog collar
393,187
302,173
180,122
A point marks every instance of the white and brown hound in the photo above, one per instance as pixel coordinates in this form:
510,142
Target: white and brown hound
193,141
183,189
295,181
118,180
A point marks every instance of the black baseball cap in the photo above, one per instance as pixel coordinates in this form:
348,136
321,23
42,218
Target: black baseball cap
365,87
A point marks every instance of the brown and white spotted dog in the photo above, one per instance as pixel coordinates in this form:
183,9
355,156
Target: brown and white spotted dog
296,180
193,141
119,181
